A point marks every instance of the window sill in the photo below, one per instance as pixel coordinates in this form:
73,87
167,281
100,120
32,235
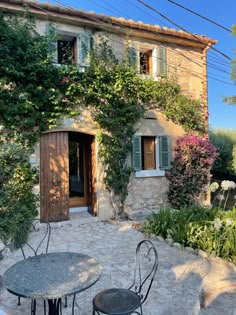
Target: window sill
149,173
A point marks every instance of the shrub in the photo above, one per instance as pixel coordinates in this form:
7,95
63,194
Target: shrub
17,201
212,230
224,166
190,171
170,223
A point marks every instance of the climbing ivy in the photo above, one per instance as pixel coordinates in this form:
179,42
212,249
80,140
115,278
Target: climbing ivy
32,96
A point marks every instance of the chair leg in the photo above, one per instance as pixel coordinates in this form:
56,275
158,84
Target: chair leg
73,305
18,301
44,307
33,307
66,301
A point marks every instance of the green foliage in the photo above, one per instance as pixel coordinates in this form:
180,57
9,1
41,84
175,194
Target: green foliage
211,230
174,224
32,95
224,166
231,100
17,201
190,170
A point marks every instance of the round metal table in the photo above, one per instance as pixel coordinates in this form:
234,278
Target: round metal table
52,276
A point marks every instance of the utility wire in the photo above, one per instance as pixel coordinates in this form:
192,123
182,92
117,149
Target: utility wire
193,72
165,17
201,16
169,64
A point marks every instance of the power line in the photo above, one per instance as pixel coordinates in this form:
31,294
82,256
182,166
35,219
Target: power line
193,72
165,17
201,16
196,73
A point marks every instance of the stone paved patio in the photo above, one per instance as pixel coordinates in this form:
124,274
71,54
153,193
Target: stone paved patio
180,280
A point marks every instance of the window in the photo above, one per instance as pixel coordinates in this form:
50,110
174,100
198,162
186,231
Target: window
151,155
66,50
145,61
148,153
70,48
148,60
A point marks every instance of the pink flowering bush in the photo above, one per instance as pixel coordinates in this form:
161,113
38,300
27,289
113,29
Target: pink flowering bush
190,171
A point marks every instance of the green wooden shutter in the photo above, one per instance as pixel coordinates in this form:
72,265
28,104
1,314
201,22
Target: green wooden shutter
161,61
164,152
83,49
137,154
53,49
134,57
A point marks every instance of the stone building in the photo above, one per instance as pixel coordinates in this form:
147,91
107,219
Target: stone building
71,176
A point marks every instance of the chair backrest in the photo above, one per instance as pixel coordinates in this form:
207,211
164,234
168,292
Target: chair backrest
33,225
146,265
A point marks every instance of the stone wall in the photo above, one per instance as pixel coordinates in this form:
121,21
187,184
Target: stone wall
147,194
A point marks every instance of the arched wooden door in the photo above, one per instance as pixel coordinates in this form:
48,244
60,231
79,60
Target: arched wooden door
67,174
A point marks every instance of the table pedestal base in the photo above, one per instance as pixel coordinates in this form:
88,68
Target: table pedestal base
54,307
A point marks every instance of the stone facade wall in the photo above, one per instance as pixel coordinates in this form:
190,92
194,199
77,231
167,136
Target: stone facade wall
147,194
186,66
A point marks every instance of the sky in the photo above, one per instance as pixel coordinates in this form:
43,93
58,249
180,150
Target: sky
220,85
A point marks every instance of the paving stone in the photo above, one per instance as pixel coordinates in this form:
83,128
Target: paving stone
177,289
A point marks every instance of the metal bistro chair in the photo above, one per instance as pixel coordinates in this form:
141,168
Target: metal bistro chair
119,301
41,248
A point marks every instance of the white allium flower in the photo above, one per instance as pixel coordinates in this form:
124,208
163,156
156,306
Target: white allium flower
221,197
233,185
228,184
217,224
214,186
228,222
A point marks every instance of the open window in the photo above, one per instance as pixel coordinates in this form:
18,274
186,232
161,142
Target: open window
70,48
151,155
148,60
66,50
145,62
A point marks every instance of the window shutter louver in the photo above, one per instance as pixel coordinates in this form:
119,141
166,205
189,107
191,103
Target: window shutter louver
134,57
137,154
83,49
161,61
164,152
53,49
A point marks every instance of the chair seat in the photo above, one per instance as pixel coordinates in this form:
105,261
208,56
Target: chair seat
116,301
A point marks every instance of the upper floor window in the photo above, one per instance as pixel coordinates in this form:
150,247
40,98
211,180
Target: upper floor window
149,61
66,50
145,62
70,48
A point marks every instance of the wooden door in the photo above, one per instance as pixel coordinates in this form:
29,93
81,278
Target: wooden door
54,176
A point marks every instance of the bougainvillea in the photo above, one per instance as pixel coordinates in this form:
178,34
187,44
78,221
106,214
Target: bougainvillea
190,171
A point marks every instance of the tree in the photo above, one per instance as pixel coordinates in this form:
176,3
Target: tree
232,99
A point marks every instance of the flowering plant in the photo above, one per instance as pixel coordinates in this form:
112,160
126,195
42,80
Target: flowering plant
226,187
190,171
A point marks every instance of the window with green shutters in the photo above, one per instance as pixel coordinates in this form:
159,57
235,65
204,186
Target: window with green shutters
151,153
70,48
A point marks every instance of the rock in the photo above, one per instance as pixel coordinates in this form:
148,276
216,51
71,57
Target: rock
177,245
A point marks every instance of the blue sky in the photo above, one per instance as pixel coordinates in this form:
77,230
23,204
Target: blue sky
221,114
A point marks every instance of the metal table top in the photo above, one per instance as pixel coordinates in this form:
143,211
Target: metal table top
52,276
